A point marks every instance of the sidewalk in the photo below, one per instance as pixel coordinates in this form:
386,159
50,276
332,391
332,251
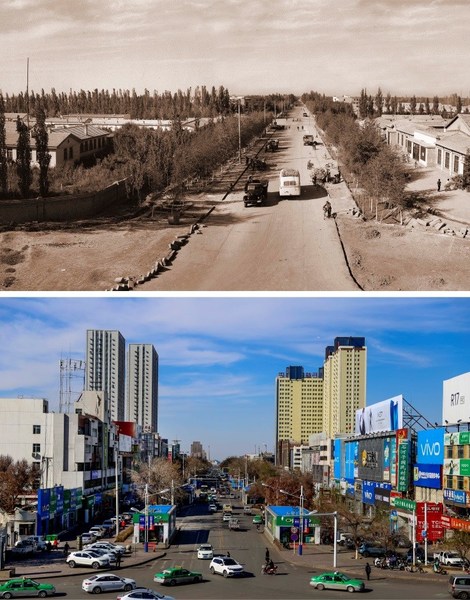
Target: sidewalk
320,558
53,565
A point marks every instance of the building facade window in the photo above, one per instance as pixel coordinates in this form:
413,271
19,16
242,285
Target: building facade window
36,429
36,448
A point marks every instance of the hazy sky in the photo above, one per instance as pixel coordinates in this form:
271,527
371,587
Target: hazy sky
219,357
249,46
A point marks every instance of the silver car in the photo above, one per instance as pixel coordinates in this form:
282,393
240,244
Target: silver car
107,582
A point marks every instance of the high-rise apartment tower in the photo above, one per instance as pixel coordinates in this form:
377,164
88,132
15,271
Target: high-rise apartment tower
142,386
105,368
344,384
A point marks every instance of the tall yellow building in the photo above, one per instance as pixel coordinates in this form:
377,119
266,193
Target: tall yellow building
344,384
326,402
299,405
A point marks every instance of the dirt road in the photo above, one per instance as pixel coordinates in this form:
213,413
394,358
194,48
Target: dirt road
283,246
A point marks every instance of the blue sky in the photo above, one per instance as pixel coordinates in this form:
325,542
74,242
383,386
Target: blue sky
249,46
219,356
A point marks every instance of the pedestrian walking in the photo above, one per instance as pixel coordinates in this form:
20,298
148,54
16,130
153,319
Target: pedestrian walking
266,556
367,570
66,549
228,553
118,560
438,185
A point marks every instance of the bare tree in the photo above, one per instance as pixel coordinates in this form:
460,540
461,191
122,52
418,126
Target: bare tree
16,479
160,478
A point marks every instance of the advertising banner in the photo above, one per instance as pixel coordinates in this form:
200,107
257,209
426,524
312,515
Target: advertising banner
428,476
393,461
368,492
350,463
350,487
371,459
429,520
44,497
387,450
337,460
403,466
430,450
382,495
456,399
457,438
403,503
457,466
456,496
381,416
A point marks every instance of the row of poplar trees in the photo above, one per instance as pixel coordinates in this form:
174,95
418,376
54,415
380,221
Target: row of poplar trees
23,153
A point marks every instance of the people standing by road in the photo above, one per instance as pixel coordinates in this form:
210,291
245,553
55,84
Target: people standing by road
66,548
438,185
118,560
266,556
368,571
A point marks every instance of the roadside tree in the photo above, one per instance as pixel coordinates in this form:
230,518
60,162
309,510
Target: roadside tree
23,158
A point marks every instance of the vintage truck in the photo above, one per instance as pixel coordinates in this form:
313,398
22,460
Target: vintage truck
256,192
309,140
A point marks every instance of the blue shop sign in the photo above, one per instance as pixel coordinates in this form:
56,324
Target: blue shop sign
430,447
457,496
427,476
368,492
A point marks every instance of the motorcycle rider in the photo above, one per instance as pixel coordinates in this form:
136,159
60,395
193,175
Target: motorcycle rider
327,209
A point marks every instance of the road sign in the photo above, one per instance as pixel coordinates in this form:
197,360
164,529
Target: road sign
294,529
294,537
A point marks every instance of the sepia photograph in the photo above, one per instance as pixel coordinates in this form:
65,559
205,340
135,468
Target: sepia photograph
234,145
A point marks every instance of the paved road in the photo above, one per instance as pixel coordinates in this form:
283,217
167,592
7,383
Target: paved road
248,547
285,245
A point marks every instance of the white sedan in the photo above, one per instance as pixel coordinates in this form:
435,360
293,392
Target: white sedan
107,582
205,551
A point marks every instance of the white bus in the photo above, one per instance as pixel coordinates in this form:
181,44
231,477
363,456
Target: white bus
289,183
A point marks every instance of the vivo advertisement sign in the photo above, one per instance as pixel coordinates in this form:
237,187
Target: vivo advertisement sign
430,447
428,476
456,399
337,471
351,460
368,493
382,416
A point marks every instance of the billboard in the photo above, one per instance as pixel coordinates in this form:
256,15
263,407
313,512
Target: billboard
381,416
428,476
429,522
457,466
430,450
351,460
456,399
371,459
338,471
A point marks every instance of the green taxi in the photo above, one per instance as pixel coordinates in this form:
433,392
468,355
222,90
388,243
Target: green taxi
177,575
258,520
337,581
20,588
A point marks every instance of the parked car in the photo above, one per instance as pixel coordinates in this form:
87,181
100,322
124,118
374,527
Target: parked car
23,547
459,586
86,558
176,575
19,588
212,508
144,594
226,566
368,550
107,582
337,581
112,556
38,541
205,551
109,525
447,558
112,548
88,538
97,531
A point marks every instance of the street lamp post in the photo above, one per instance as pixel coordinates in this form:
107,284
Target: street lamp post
301,516
146,524
335,531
